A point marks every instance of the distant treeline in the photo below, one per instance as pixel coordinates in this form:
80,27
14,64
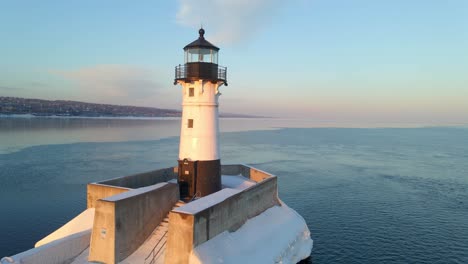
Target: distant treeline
39,107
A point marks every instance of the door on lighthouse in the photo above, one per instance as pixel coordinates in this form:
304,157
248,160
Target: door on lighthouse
187,178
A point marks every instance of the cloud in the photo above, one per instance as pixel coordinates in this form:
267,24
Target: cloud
114,83
228,21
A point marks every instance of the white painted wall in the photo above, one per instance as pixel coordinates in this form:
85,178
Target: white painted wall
201,141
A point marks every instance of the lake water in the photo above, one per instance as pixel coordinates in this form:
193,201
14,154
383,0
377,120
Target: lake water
369,195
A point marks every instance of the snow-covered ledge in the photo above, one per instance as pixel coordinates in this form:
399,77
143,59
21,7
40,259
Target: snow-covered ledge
59,251
203,230
278,235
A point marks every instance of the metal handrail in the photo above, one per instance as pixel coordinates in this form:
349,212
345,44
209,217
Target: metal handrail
196,196
181,72
157,253
152,251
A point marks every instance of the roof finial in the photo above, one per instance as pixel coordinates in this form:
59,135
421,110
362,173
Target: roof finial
201,31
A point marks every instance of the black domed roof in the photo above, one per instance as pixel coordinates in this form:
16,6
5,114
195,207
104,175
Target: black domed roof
201,42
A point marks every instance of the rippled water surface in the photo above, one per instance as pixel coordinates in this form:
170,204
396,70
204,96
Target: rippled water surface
384,195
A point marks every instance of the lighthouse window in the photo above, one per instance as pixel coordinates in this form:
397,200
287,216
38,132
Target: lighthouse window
190,123
191,92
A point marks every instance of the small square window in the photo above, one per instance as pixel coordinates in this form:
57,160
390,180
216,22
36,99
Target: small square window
190,123
191,92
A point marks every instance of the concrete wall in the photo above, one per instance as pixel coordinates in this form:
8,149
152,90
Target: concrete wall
188,230
246,171
258,175
100,190
235,169
143,179
233,212
123,222
60,251
96,191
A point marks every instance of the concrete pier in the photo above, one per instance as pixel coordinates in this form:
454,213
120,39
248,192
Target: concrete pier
129,210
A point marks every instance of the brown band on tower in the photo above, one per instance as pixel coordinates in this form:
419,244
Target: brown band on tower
199,178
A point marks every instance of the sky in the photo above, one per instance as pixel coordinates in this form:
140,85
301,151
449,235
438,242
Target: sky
325,60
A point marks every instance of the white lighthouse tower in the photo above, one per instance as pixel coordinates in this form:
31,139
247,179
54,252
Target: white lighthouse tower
200,78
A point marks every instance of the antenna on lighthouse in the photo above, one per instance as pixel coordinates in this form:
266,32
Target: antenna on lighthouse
199,170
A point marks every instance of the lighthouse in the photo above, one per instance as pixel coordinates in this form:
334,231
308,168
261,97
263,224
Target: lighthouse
199,164
139,218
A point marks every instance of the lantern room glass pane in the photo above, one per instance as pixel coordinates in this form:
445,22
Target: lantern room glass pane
201,55
214,56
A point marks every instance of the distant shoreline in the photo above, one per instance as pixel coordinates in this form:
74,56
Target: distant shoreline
28,107
116,117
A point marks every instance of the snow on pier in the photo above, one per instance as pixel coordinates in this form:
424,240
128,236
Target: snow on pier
278,235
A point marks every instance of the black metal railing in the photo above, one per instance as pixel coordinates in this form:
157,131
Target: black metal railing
200,70
222,73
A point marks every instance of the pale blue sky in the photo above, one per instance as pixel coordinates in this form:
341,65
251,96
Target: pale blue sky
364,60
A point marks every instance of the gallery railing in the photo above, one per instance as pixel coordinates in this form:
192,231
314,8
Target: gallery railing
200,70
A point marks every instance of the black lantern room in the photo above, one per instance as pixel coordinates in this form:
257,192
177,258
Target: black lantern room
201,62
